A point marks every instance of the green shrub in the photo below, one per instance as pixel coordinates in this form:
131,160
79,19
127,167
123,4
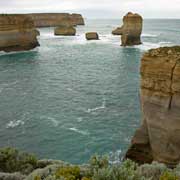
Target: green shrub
98,162
168,176
85,178
152,171
69,173
125,171
11,160
37,178
102,174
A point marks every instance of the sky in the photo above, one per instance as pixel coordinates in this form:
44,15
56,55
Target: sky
96,8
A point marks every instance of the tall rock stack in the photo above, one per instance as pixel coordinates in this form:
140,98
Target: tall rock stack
158,138
131,29
17,33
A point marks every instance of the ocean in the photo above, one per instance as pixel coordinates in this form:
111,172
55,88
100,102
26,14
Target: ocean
70,98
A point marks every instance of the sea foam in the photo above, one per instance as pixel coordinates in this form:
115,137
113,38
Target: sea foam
79,131
13,124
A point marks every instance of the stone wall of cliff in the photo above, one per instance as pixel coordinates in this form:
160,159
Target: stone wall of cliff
158,138
17,33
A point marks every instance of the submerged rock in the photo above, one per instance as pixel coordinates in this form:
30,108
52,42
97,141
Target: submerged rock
65,31
92,36
17,33
159,135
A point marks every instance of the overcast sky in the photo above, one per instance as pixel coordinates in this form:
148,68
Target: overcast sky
96,8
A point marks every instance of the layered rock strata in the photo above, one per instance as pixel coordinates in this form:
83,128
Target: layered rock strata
65,31
56,19
17,33
158,138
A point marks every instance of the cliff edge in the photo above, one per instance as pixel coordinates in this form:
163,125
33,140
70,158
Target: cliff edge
158,138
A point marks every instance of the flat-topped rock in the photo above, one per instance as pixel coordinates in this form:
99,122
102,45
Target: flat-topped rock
65,31
17,33
56,19
158,138
92,36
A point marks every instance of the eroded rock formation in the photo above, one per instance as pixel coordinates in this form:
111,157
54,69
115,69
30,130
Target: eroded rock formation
65,31
92,36
77,19
17,33
118,31
158,138
131,30
56,19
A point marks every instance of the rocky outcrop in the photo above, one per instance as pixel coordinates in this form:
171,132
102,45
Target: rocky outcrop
17,33
92,36
65,31
56,19
118,31
158,138
77,19
131,30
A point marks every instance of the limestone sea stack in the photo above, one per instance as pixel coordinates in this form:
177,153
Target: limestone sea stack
17,33
65,31
158,138
131,30
92,36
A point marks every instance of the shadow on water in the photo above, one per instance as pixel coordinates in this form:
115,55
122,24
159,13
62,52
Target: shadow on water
19,57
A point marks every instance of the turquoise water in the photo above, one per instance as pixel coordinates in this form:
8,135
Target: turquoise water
70,98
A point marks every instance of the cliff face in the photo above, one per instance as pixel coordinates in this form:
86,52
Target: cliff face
56,19
159,135
17,33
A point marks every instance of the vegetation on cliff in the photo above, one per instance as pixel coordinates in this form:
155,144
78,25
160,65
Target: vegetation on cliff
24,166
